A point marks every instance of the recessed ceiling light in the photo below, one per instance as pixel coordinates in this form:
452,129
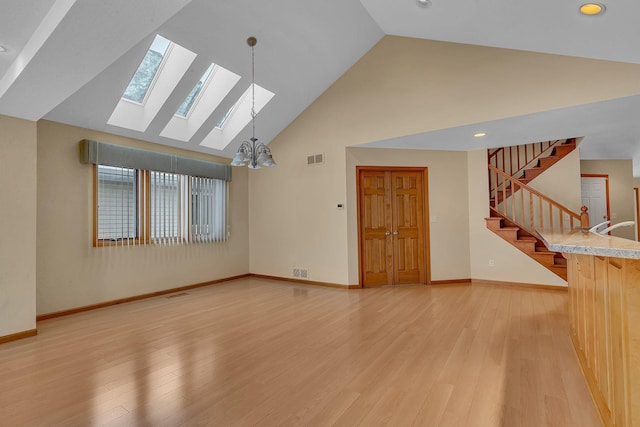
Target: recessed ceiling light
592,9
479,134
3,49
424,3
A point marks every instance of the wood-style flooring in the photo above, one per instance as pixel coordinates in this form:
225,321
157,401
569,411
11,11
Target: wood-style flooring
267,353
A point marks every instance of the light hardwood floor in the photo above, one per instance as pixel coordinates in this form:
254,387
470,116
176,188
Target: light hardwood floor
262,352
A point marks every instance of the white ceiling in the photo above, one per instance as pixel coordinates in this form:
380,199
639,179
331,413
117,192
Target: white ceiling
70,60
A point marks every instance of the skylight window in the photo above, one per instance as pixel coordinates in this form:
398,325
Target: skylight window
160,71
237,118
187,105
146,73
223,120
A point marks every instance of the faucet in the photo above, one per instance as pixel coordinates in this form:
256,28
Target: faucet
620,224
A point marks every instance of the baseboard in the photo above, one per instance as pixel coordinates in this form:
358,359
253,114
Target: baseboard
520,285
135,298
451,282
18,336
305,282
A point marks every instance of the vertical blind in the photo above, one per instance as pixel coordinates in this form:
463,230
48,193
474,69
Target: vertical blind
208,210
151,207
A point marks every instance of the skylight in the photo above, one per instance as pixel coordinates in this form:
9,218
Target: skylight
236,118
144,76
223,120
187,105
161,69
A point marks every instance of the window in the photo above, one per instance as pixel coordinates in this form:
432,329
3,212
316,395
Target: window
208,209
224,118
117,219
146,73
148,207
189,101
168,206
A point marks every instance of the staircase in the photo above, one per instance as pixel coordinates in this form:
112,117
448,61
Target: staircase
517,210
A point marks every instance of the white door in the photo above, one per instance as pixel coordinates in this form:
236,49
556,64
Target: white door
594,196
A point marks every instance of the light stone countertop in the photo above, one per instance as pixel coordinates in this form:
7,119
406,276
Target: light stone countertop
586,243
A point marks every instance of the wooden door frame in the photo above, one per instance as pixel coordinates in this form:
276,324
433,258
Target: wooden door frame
635,192
425,202
606,181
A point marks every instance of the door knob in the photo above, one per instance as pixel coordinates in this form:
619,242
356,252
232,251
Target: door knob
388,233
395,233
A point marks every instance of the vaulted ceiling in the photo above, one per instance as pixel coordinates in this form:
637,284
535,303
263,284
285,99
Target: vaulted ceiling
70,60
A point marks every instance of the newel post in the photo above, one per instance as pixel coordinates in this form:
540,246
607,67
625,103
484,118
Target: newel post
584,218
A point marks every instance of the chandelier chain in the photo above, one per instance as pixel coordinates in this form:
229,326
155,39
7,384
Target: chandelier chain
253,91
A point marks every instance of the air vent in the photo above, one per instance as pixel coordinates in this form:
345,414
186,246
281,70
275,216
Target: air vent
301,273
315,159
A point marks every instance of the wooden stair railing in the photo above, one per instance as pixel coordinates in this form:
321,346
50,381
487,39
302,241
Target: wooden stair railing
519,160
527,207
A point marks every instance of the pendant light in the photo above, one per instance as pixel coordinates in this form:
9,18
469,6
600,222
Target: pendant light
255,153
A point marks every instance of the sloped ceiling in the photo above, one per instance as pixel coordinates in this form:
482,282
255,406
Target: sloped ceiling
70,60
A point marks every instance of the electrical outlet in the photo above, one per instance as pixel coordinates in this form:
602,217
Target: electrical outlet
304,273
492,263
296,272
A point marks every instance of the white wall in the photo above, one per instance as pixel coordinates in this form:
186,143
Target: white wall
402,86
17,225
621,196
510,264
72,273
561,182
448,205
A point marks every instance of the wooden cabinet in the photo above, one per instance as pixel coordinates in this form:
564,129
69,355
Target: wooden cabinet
604,308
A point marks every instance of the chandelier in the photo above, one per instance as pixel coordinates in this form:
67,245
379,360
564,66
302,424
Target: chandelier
257,154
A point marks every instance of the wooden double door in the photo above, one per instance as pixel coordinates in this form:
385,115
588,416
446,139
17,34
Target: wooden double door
392,226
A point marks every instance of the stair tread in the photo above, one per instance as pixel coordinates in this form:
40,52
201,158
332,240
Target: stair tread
508,229
544,253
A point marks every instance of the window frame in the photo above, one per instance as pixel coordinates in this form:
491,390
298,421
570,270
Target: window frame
143,215
156,75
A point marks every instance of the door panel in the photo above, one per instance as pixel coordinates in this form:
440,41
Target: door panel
375,222
408,227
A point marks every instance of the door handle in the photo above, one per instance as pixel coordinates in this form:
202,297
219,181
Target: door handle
388,233
395,233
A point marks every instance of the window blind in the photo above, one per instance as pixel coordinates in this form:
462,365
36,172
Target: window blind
117,207
100,153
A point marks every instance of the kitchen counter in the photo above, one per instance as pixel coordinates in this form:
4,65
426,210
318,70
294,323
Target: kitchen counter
604,318
586,243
